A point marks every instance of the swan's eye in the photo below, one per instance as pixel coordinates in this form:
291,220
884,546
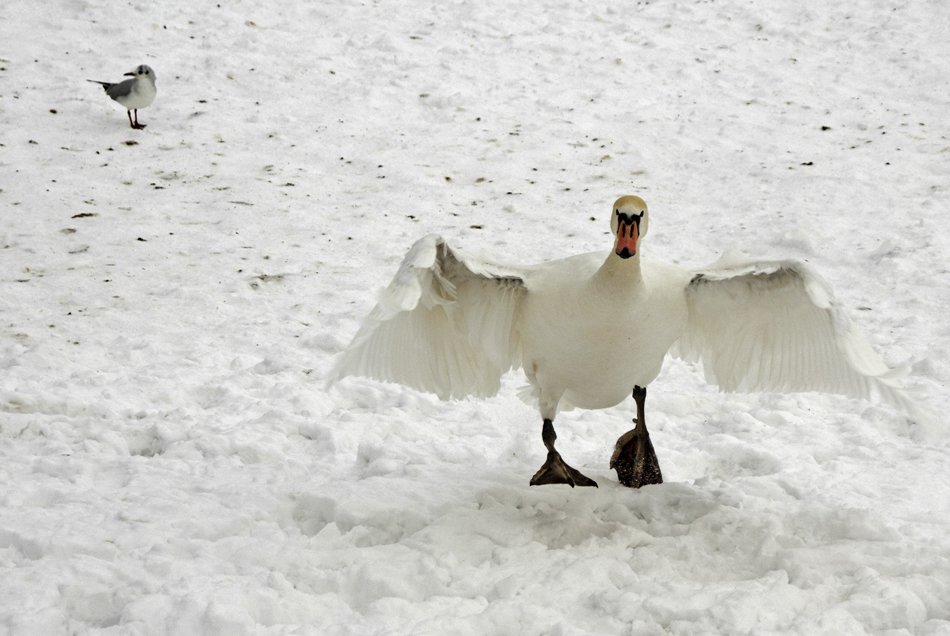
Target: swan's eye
623,217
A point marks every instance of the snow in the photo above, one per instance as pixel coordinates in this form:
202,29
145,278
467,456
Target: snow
172,300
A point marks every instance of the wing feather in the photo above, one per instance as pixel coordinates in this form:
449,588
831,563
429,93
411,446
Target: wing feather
775,326
444,324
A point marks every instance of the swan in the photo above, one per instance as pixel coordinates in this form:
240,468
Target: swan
590,329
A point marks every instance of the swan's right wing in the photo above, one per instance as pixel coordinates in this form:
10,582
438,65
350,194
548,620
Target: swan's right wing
444,324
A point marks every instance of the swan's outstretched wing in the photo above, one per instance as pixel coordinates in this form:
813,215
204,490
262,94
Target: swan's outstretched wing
775,326
444,325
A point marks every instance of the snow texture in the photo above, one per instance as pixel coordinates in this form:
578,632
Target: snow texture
172,300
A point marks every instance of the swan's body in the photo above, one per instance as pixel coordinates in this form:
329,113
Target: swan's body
574,300
588,329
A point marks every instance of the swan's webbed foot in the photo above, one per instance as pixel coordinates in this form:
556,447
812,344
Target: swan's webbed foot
555,470
634,459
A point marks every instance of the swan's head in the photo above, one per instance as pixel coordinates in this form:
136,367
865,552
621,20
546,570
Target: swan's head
628,222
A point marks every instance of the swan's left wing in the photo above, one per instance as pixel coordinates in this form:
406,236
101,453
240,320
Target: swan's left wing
445,324
775,326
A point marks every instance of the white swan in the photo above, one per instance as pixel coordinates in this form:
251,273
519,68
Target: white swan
588,329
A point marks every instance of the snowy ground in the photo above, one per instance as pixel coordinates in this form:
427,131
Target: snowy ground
171,301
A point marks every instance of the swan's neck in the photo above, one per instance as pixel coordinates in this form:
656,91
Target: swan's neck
619,271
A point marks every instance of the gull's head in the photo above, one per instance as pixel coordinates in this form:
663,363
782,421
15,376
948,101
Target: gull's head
142,70
628,222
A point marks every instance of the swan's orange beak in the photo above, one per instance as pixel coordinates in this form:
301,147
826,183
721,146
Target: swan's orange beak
627,234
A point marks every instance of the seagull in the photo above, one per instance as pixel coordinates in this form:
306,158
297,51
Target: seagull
134,93
591,329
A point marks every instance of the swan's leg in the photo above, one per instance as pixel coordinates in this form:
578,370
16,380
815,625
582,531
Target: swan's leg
555,471
633,458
